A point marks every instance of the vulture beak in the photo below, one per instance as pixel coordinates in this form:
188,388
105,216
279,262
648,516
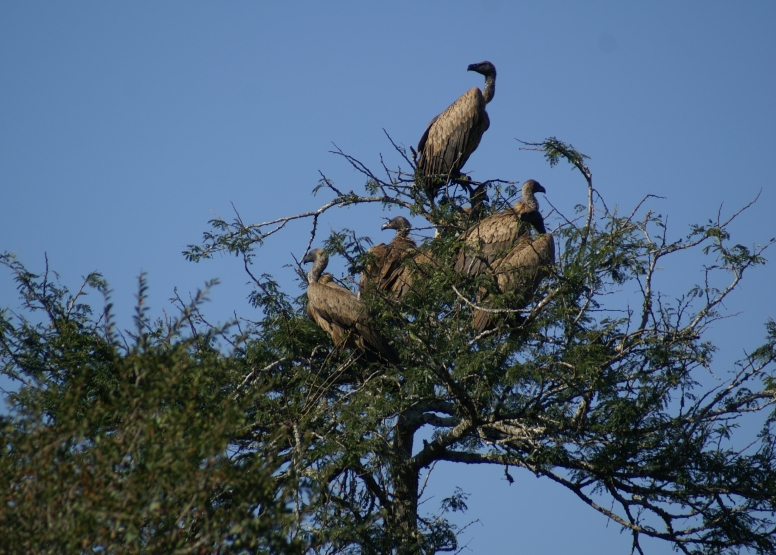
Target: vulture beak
539,189
472,67
386,225
307,258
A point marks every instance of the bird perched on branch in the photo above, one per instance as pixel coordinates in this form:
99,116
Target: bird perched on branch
453,135
520,270
493,237
340,313
384,264
392,268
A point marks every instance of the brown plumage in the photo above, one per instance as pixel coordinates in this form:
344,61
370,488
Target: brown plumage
385,262
495,236
417,266
453,135
521,270
395,266
340,313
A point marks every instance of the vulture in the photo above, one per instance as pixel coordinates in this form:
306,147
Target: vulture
393,267
521,270
340,313
453,135
493,237
385,265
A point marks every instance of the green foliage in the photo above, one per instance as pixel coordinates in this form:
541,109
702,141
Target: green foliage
127,449
556,151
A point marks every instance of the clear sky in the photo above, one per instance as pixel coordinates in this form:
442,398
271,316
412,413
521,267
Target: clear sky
125,126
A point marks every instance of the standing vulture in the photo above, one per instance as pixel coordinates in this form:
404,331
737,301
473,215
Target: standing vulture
521,270
340,313
453,135
494,236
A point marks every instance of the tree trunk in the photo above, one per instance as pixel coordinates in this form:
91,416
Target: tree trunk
403,525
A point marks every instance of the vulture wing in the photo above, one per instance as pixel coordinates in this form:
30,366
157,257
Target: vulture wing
451,137
488,241
331,307
424,138
387,264
521,270
415,266
526,264
340,313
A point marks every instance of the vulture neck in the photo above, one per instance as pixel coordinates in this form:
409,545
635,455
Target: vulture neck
318,267
539,226
529,200
490,88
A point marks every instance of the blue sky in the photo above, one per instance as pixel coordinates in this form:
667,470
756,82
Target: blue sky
125,126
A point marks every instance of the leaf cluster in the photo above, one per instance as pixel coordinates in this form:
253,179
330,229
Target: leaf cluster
126,447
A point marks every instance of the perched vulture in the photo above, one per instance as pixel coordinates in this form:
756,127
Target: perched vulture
521,270
396,264
385,264
453,135
340,313
493,237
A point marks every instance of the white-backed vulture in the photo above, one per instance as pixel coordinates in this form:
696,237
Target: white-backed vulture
385,261
453,135
340,313
495,236
395,266
521,270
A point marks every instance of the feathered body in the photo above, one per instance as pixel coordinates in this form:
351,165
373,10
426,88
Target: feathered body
493,237
453,135
521,270
340,313
418,265
394,267
386,262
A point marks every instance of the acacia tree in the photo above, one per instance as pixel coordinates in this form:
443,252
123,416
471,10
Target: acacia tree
598,393
317,449
118,443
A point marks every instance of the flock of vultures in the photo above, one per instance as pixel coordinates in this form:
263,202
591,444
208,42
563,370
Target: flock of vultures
513,246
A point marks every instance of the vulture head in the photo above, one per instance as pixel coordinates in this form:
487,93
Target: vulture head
320,259
530,188
400,224
483,68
